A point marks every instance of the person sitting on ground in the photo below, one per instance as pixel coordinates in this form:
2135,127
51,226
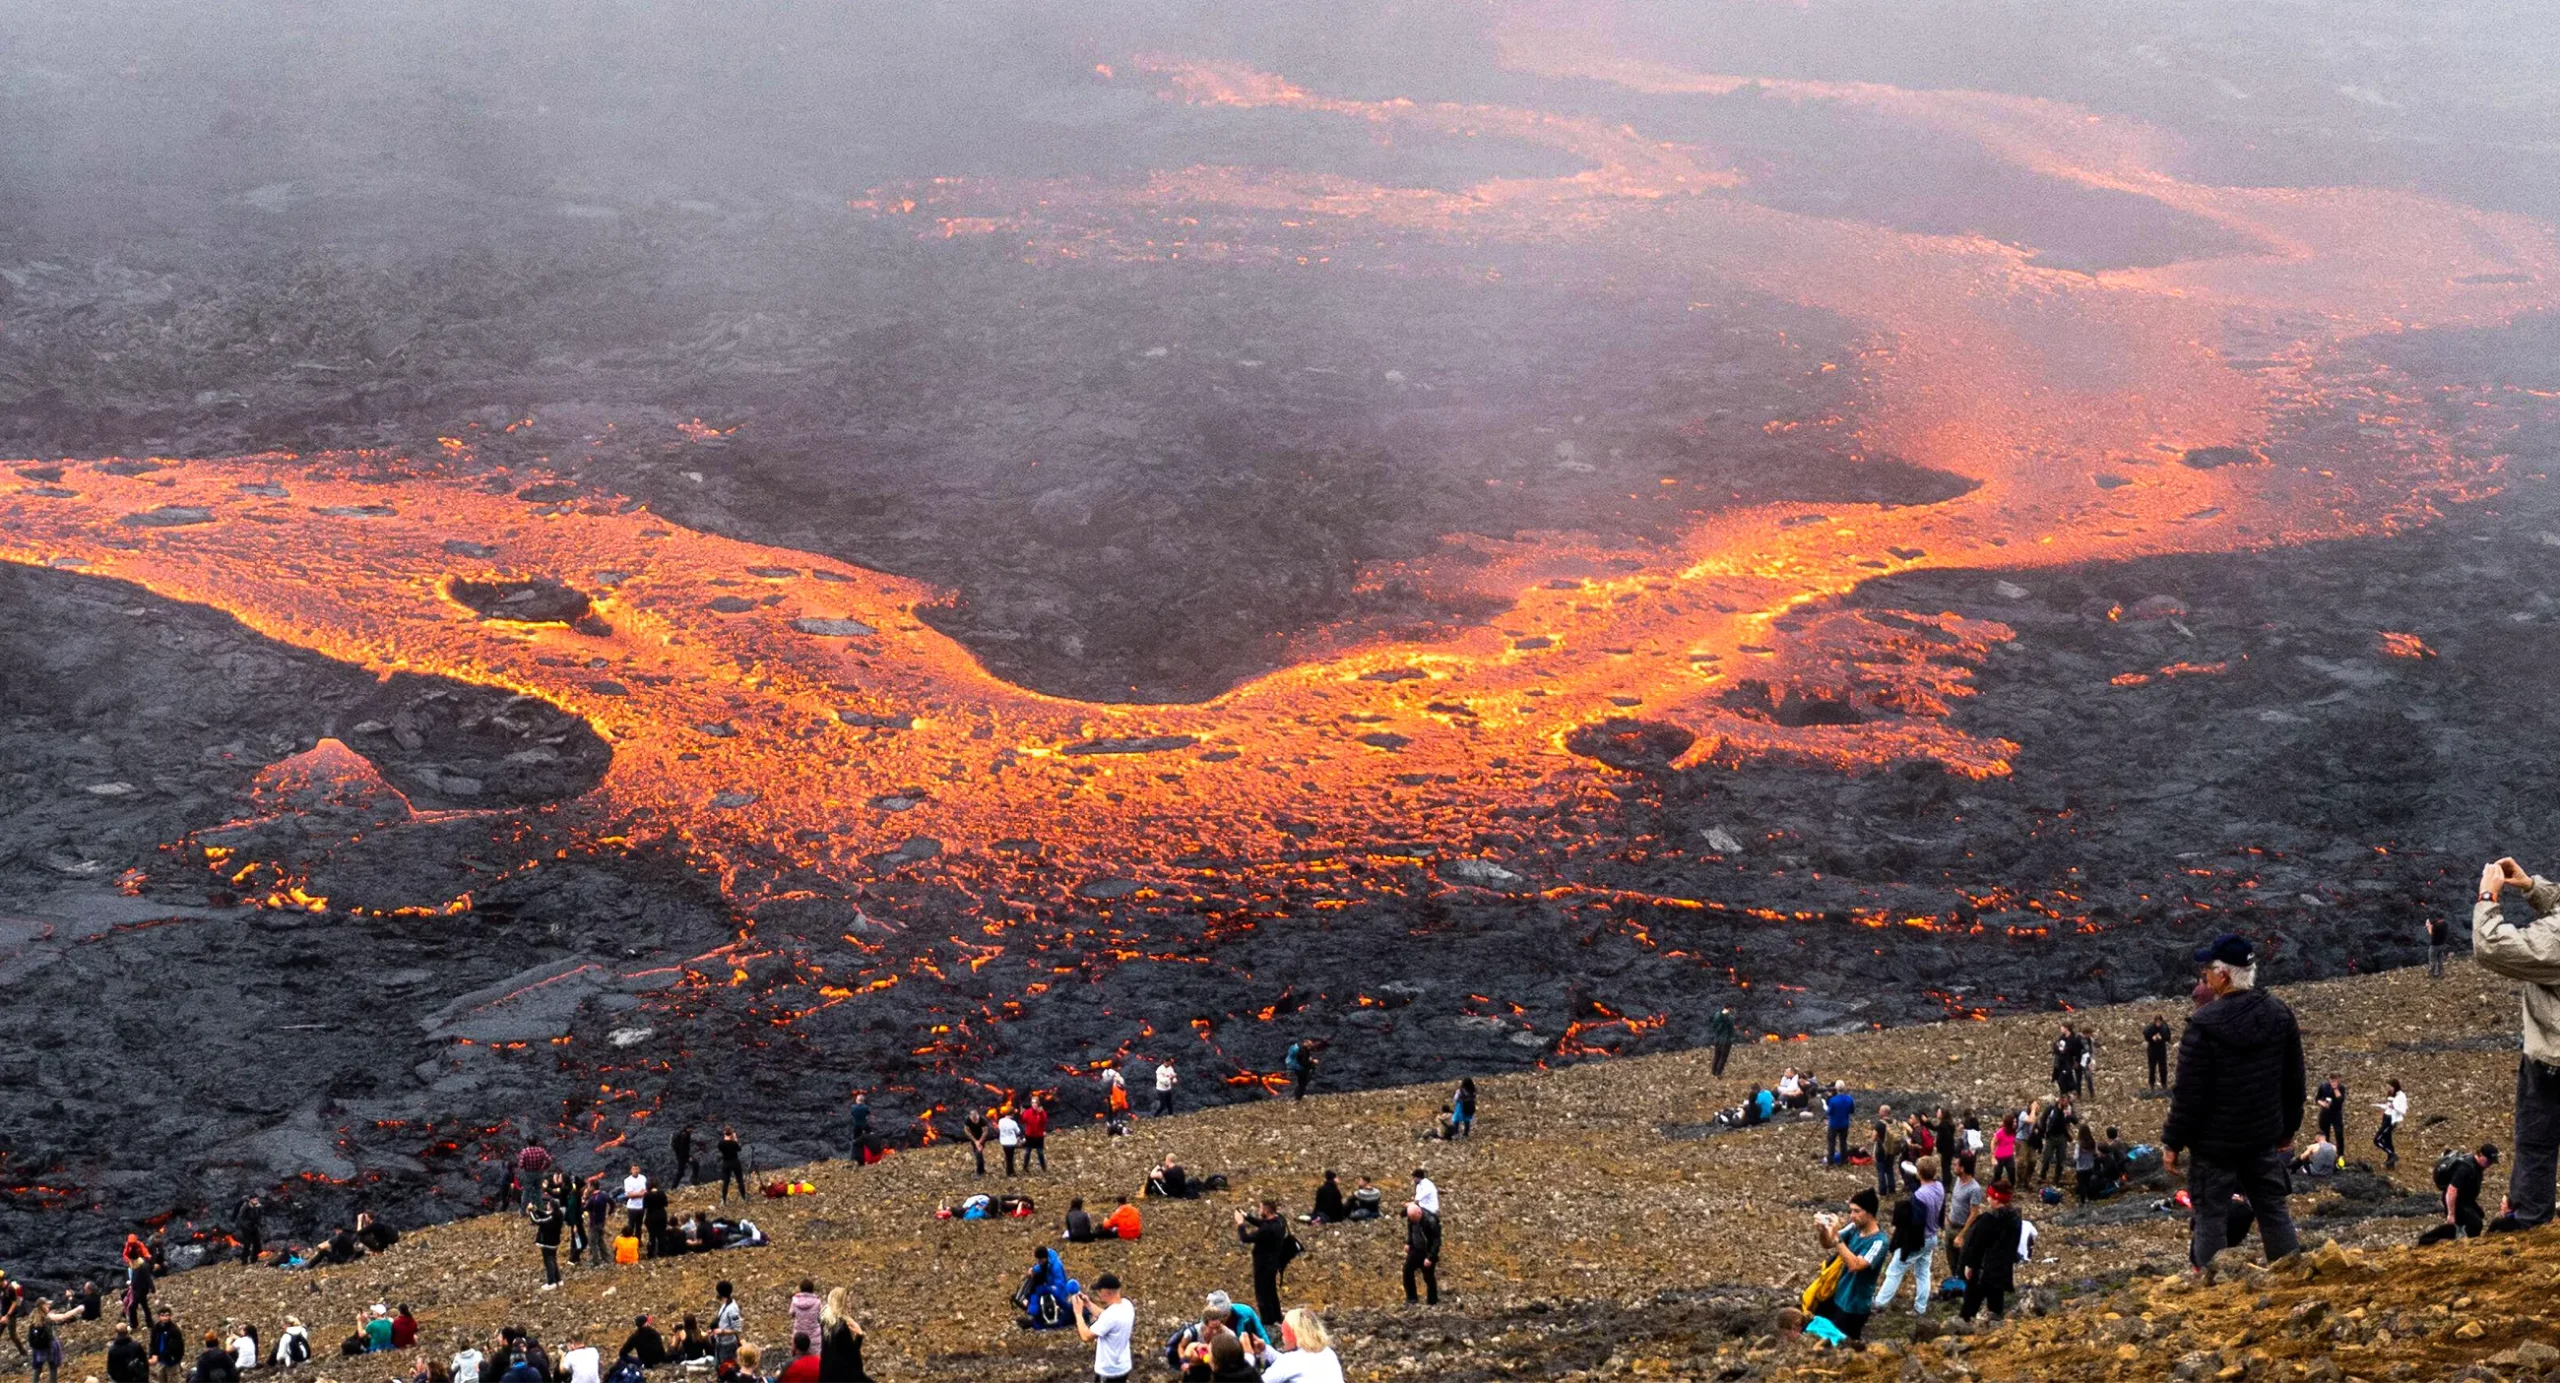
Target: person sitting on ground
644,1344
1220,1315
1305,1354
404,1328
213,1366
581,1362
803,1367
1079,1224
1227,1361
1122,1222
293,1347
1367,1201
1764,1105
1791,1089
373,1233
692,1341
1329,1206
2319,1160
1169,1179
341,1247
377,1330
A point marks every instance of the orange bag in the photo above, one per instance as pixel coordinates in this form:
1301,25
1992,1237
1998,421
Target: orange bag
626,1249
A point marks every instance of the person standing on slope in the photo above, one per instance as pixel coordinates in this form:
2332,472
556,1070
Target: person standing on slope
2529,953
1838,1112
1720,1033
2155,1047
2237,1104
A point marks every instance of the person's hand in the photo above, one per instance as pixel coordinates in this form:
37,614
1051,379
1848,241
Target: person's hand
2169,1159
2493,876
2514,873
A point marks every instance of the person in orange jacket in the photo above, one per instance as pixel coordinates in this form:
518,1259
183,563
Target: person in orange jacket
1122,1221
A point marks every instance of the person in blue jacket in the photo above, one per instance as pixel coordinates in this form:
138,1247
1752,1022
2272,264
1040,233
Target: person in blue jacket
1841,1108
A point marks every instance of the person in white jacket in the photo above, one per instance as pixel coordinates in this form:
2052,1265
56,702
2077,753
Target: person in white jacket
294,1345
1165,1081
2529,953
1009,1137
2395,1112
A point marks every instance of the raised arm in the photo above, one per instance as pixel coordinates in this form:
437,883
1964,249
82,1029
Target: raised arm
2530,953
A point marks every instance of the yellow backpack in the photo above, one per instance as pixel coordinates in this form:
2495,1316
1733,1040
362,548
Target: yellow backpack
1823,1285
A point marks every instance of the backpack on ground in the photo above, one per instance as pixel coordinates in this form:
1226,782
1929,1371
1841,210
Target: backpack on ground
2447,1165
625,1370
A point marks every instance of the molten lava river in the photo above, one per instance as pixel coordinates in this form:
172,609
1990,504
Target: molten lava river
791,724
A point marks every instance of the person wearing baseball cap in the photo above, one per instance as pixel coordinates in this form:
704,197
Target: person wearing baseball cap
2236,1102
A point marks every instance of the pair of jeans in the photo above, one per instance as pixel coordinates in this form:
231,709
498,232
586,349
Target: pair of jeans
2529,1181
1164,1102
551,1264
2158,1066
1723,1050
2386,1138
1835,1148
1416,1264
731,1171
2262,1179
1923,1265
2435,962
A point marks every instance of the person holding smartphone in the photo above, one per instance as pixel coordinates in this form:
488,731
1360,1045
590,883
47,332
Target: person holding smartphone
1106,1319
2528,951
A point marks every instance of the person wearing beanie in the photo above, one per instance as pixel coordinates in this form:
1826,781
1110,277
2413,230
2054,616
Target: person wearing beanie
1859,1244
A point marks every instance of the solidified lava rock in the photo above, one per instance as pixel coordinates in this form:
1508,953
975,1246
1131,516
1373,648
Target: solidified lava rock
536,601
1638,746
2214,458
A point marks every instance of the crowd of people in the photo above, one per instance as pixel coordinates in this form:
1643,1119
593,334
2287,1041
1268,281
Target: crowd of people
1946,1213
2237,1090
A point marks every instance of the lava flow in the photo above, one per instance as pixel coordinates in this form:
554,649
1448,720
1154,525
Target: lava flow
793,724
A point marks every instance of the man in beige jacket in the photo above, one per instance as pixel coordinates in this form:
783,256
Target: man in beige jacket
2529,953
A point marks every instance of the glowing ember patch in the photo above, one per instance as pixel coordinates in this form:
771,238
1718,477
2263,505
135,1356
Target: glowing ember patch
2405,646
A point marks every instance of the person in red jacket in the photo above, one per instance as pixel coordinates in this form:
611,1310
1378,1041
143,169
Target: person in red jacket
1035,1134
803,1367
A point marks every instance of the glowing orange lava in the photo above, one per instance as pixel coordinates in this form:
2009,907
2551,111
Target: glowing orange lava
792,722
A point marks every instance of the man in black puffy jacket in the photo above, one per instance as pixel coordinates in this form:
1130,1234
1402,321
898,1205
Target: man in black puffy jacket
2237,1103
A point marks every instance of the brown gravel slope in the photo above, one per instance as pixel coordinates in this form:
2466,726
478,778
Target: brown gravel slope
1590,1226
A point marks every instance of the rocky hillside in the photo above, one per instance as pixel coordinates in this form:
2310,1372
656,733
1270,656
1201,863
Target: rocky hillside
1600,1222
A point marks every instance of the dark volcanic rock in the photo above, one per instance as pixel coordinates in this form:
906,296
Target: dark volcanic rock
537,601
1635,745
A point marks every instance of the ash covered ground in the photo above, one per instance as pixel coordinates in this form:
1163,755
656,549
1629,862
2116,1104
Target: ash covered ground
1138,481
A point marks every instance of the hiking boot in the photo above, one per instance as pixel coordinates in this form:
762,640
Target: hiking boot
2508,1224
